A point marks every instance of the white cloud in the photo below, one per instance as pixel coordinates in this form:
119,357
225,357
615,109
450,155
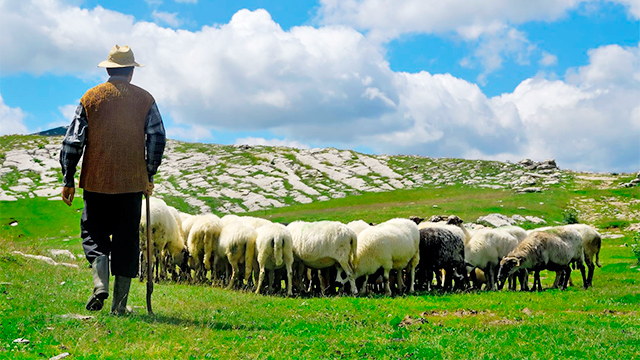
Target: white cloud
11,119
388,19
548,59
271,142
163,17
332,85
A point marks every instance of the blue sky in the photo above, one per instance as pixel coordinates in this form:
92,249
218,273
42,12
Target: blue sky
497,80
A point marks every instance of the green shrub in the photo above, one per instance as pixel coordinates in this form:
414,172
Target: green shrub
635,246
570,216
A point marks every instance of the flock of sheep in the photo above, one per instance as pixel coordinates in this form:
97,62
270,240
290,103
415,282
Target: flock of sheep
329,257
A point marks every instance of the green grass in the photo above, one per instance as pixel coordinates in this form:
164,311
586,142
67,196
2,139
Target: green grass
195,322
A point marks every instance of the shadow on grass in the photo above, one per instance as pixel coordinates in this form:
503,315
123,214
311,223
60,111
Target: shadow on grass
214,325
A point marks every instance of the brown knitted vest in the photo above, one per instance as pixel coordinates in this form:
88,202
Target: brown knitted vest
114,158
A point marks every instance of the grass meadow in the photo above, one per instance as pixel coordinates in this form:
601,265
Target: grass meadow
45,303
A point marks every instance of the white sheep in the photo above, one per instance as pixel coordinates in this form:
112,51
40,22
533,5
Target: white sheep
591,244
486,248
202,242
273,250
358,225
573,237
166,238
237,245
323,244
393,244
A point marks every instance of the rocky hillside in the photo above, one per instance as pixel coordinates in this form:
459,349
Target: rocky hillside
224,179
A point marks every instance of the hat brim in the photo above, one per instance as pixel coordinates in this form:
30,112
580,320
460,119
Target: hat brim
111,64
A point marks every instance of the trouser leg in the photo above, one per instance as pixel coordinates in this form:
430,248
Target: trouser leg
125,247
94,226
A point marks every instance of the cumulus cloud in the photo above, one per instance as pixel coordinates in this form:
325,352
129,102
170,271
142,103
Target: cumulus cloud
163,17
11,119
490,25
332,85
548,59
271,142
388,19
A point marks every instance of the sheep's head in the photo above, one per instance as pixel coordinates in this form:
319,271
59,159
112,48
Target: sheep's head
416,219
341,277
182,260
454,220
436,218
508,266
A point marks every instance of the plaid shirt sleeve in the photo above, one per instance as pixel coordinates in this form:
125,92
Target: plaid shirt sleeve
73,146
156,140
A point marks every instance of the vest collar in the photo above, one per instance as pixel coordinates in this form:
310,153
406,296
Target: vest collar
118,78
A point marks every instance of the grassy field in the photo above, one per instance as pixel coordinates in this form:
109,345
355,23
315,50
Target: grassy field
40,302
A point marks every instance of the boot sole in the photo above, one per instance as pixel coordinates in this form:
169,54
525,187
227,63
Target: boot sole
96,301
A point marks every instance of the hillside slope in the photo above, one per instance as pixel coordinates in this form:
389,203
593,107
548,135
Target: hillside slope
235,179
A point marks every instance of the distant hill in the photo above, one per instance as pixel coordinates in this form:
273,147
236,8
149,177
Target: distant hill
59,131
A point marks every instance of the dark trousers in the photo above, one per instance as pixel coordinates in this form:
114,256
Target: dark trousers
118,216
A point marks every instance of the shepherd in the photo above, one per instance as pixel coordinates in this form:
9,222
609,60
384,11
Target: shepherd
119,129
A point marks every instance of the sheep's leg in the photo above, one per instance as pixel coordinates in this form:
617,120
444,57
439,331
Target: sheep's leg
289,279
400,282
260,279
591,267
234,273
387,283
474,279
488,272
448,279
567,276
523,277
429,275
585,281
438,278
346,267
272,275
536,280
412,272
364,289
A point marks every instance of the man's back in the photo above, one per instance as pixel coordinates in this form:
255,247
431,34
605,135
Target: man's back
114,160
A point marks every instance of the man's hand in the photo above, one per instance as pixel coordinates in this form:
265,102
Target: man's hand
67,194
149,190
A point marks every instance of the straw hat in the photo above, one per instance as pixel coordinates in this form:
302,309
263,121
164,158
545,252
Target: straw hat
119,56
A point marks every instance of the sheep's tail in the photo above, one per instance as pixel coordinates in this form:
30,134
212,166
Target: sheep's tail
277,250
354,249
249,253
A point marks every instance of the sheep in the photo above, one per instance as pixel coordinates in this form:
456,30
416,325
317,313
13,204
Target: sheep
441,249
485,250
515,231
539,251
273,250
165,236
254,222
574,239
323,244
202,242
591,243
394,244
358,225
237,244
186,221
452,223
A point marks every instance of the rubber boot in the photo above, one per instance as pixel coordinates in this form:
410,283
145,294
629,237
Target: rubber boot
100,272
120,295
